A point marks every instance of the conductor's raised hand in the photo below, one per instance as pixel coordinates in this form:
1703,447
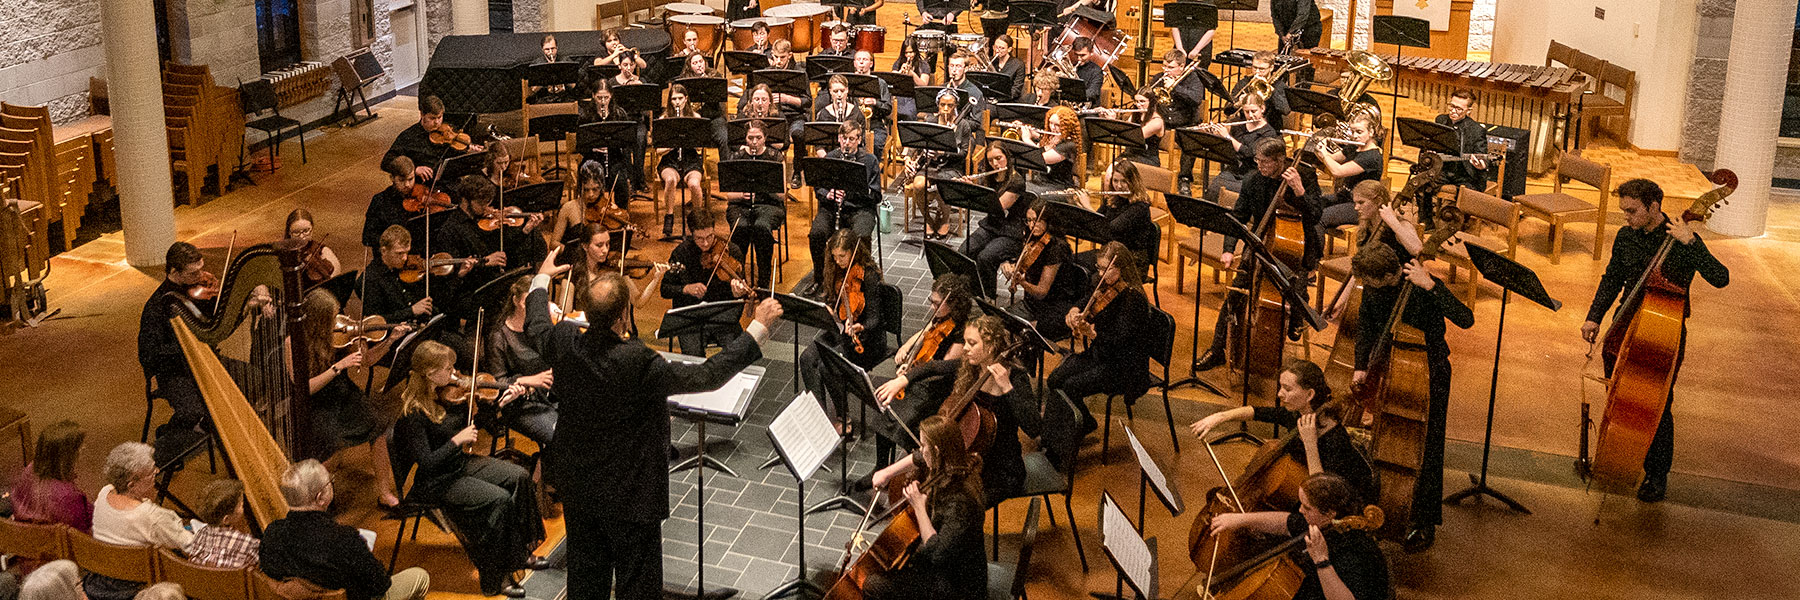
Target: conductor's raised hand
768,312
549,266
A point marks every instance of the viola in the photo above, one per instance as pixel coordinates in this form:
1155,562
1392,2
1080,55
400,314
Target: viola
607,216
496,218
941,329
423,199
441,265
347,330
445,134
722,264
1027,257
850,303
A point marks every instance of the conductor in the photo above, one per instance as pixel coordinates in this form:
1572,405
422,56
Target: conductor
613,431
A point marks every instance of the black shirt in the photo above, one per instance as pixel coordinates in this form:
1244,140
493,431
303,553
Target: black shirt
1184,101
1424,310
687,254
1248,140
1294,16
770,155
1471,139
861,199
1354,554
1003,464
1372,165
1094,77
1632,250
308,544
415,143
1010,223
418,440
1253,203
1055,253
1275,107
1129,223
387,208
1014,70
1337,454
1118,342
158,351
1062,173
955,554
386,295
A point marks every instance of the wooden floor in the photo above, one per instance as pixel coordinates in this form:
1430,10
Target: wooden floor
1732,507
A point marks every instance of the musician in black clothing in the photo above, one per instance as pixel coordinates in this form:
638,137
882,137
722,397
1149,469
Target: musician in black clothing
1378,267
1275,106
838,44
1632,249
462,237
835,106
866,329
881,106
1005,64
1069,7
1194,44
1051,287
160,354
1090,72
1342,562
1296,22
1245,138
845,209
1146,112
759,34
1350,166
999,236
1273,176
744,9
956,71
613,428
394,299
941,339
863,14
514,360
388,207
1126,207
940,14
692,278
1307,409
755,217
1471,139
1115,358
937,213
680,169
414,142
946,499
1185,100
622,167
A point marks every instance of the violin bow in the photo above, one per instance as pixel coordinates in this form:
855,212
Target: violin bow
363,292
475,365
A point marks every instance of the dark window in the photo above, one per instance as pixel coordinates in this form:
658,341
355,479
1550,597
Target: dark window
277,33
500,16
162,30
1790,105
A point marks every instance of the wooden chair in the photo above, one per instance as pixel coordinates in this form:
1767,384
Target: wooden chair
201,582
1205,250
1558,208
1604,102
34,541
1481,208
129,563
1329,269
1160,181
610,10
1558,53
263,587
24,263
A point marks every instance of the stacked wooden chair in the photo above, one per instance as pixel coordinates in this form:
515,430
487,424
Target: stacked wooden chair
206,127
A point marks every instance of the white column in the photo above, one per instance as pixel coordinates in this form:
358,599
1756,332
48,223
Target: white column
1750,117
469,17
140,140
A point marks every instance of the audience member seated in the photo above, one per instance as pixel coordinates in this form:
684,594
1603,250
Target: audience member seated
125,515
222,542
309,545
56,580
162,591
45,491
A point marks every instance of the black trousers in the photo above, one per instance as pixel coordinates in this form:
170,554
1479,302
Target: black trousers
829,390
1428,490
616,557
1080,376
990,249
495,506
755,232
183,395
826,223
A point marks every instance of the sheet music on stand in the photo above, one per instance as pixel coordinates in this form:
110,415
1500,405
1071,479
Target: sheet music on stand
1134,556
1165,489
803,435
729,403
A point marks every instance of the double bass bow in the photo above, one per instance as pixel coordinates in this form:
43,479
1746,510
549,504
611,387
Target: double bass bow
1642,350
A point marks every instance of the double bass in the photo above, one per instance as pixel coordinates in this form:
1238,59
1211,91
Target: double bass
1643,349
1283,234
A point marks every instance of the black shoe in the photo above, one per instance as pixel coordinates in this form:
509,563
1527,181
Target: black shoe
1212,359
537,563
811,290
1419,538
513,590
502,586
1088,425
1296,327
1185,187
668,225
1653,490
862,484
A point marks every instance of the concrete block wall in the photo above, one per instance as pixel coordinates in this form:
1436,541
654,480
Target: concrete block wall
1706,82
220,34
48,49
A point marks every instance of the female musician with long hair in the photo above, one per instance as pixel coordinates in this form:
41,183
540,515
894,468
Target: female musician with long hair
938,215
1244,138
342,415
497,165
622,167
1127,210
679,167
1379,223
940,339
1062,148
852,288
299,226
1306,406
516,360
1148,117
999,236
1351,166
493,502
1004,389
946,500
588,249
589,199
1114,360
1344,562
755,217
1049,293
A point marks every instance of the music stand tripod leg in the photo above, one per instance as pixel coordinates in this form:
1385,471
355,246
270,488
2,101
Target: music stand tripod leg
1478,486
700,592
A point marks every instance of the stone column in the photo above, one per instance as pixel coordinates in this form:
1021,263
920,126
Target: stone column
1750,116
470,17
141,142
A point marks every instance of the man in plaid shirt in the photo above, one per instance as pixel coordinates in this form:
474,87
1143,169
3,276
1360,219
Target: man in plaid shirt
221,543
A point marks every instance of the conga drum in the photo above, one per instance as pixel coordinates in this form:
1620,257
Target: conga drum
807,16
706,27
871,38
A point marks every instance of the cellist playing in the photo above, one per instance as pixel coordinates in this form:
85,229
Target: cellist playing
1343,563
1633,249
1308,408
946,500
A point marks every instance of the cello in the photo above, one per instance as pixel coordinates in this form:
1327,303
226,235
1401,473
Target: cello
1274,574
1270,482
1643,350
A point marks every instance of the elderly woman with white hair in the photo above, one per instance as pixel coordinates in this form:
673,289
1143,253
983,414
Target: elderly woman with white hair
124,512
56,580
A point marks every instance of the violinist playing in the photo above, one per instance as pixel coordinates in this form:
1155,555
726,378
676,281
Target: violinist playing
1306,406
587,249
999,237
852,288
1341,563
999,385
1046,294
321,262
1632,250
462,236
391,205
1383,274
756,216
498,165
342,414
945,497
386,291
515,360
160,354
710,270
493,502
416,141
1274,177
940,340
589,206
1114,360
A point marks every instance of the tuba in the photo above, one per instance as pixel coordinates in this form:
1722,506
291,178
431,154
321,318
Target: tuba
1365,68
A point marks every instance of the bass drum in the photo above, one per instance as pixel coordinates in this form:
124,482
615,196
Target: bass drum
742,38
706,27
870,38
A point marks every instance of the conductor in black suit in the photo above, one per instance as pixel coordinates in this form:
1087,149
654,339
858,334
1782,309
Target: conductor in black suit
612,435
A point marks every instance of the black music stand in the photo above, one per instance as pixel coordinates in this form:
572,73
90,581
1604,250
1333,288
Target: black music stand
537,197
1195,213
1127,87
1509,275
780,81
1315,103
744,63
402,352
705,90
455,167
1149,472
552,74
863,86
924,135
991,84
719,316
637,98
594,72
609,135
836,174
1071,89
1113,132
1082,224
775,132
751,176
971,198
682,132
925,96
1233,6
1200,15
801,311
1401,32
857,384
1428,136
1024,330
1029,114
819,134
1207,147
943,259
820,67
1023,155
900,85
794,442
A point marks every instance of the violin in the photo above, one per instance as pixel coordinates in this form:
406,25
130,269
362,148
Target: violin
722,264
205,289
315,269
347,330
423,199
445,134
607,216
1103,295
441,265
487,388
496,218
850,303
1027,257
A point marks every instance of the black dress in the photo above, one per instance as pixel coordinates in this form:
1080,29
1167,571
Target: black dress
342,417
1047,312
1336,452
492,502
1062,174
949,566
1355,556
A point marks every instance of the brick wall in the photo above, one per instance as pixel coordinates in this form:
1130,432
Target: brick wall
48,49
